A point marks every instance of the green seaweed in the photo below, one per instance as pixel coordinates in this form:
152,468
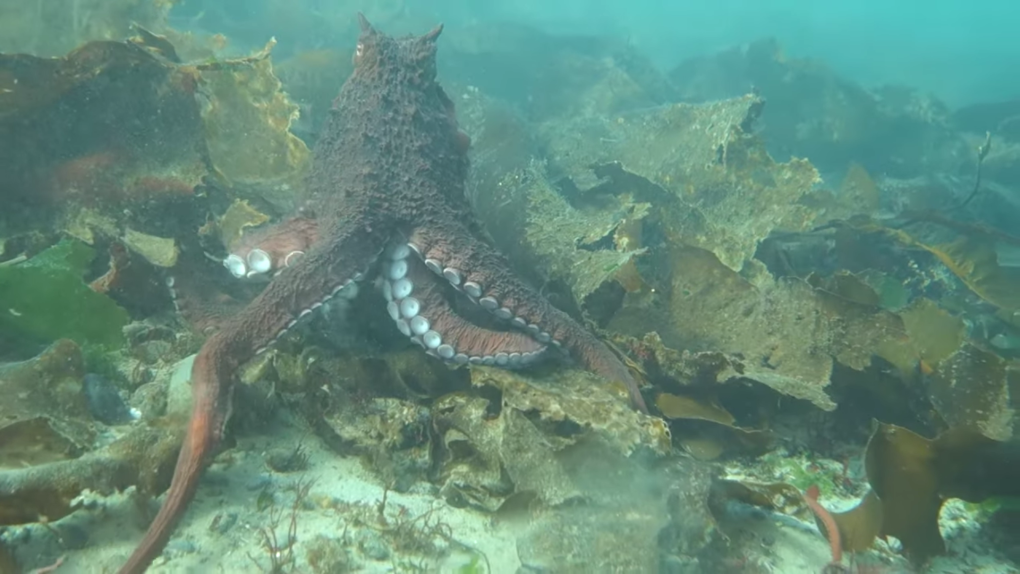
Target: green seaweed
985,509
45,298
101,361
893,295
801,474
473,567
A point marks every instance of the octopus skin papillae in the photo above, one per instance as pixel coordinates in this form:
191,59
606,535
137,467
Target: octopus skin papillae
388,186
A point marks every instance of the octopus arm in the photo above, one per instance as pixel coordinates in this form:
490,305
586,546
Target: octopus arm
480,271
417,300
328,270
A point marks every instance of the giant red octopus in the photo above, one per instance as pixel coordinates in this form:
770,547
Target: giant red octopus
388,189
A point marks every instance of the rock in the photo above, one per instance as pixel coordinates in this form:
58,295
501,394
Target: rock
47,442
104,400
44,416
178,394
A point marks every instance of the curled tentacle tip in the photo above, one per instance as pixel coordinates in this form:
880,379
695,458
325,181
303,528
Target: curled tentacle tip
236,266
259,261
292,257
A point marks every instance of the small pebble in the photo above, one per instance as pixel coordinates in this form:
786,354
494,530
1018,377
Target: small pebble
259,482
180,546
72,537
287,459
104,401
225,523
373,546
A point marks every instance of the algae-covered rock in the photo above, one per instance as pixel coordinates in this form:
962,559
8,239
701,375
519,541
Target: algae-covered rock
815,113
148,129
709,176
143,458
44,416
571,398
599,539
391,435
486,461
481,452
44,298
369,406
549,237
137,147
631,520
783,333
971,390
526,444
159,251
48,453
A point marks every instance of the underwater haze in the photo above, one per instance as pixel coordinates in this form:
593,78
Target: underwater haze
509,287
959,51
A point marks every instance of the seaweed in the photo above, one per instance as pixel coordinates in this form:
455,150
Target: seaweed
280,547
45,299
288,459
910,478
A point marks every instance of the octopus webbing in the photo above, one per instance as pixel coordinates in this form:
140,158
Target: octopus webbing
388,188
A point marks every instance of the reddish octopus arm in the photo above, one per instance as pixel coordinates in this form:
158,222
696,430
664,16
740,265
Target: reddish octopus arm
485,275
300,288
831,529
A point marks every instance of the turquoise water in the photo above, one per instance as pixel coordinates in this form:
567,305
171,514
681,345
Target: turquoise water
613,287
959,51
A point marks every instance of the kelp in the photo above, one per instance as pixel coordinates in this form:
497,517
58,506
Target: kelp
247,120
914,476
970,256
116,180
910,478
784,333
706,430
45,298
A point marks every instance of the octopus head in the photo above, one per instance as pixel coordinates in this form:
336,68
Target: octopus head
379,54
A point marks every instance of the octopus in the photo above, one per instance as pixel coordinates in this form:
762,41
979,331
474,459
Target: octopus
388,189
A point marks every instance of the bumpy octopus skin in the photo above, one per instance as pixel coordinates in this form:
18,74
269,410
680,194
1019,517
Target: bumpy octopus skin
388,179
